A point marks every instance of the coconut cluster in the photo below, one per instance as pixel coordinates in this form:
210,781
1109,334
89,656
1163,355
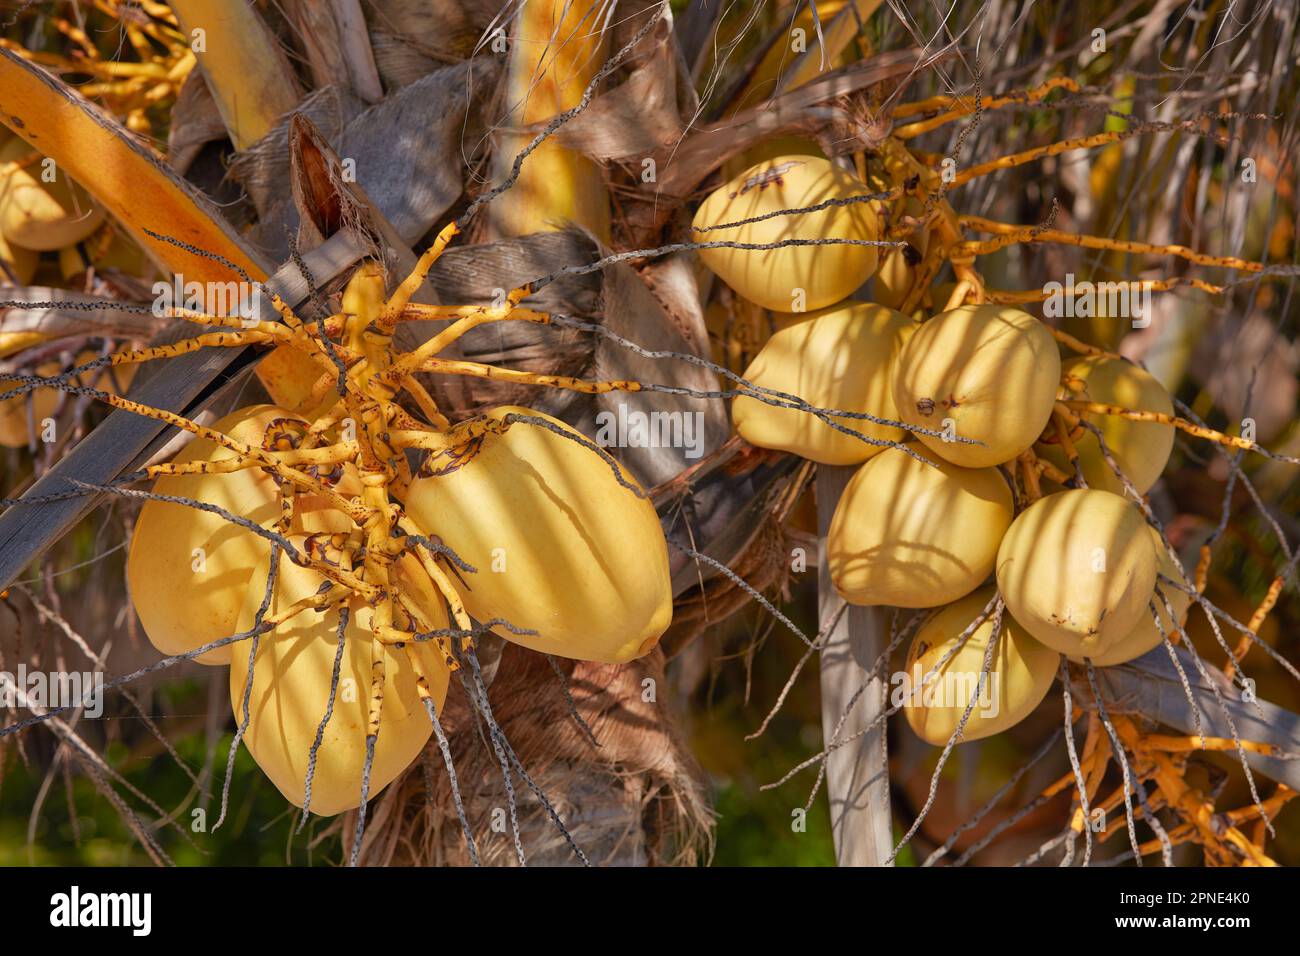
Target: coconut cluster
942,407
41,209
533,533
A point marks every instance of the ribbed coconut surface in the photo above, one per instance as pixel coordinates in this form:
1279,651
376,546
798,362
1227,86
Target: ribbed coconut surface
837,358
41,215
911,533
1141,449
560,547
1077,569
292,676
774,278
1146,635
188,570
988,373
1018,678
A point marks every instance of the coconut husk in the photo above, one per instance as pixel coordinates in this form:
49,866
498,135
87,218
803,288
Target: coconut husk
399,63
629,793
763,564
195,122
443,30
413,179
263,168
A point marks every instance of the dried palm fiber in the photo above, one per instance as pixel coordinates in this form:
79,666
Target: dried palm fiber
261,167
474,274
732,514
446,31
334,39
763,565
400,64
629,309
636,799
637,118
195,122
412,179
616,298
639,115
627,123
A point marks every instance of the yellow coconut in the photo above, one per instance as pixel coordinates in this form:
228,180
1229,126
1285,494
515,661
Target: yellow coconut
188,570
839,358
910,533
1141,449
1077,569
560,547
292,675
15,416
1019,675
782,278
1146,636
988,373
40,215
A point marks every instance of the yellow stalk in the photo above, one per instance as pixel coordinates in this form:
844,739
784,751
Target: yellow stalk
556,48
246,70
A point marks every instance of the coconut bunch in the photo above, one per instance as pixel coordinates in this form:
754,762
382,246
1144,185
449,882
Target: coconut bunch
344,542
513,520
975,486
